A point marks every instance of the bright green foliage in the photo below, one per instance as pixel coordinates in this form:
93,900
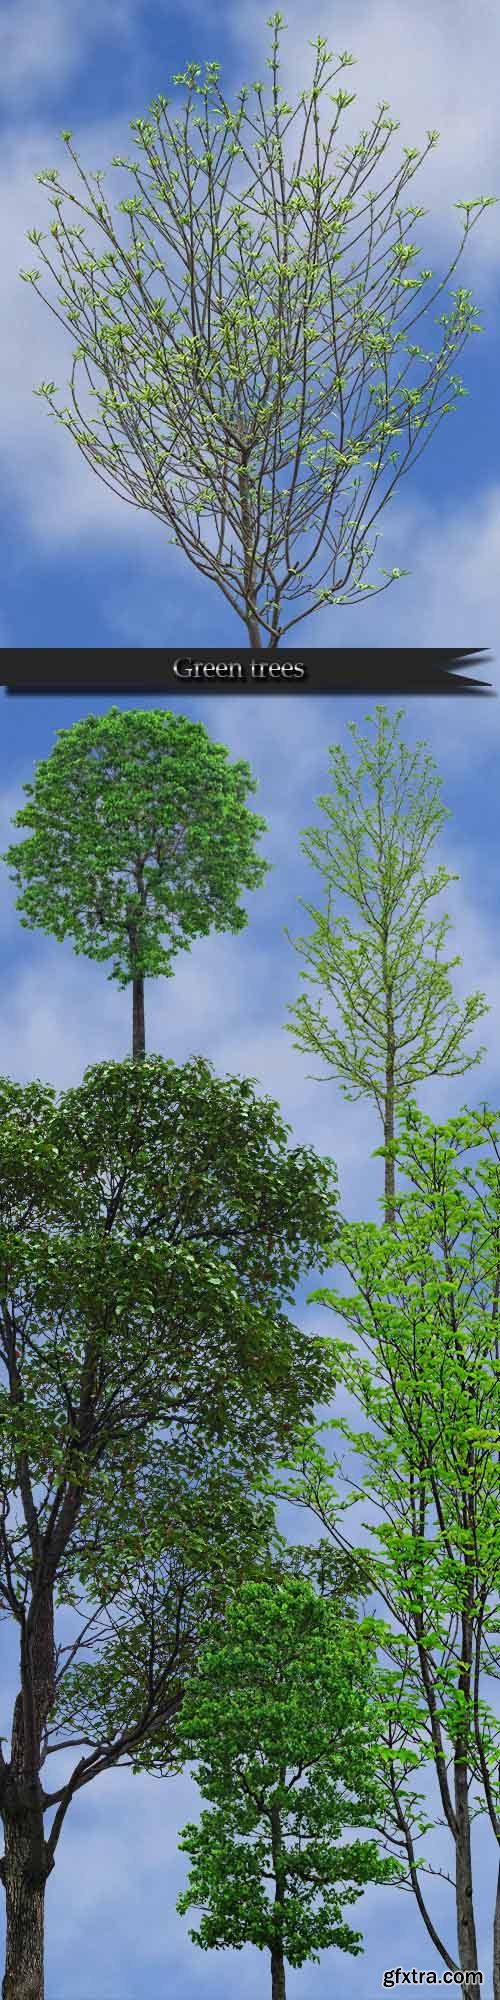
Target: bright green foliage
139,834
152,1224
382,815
385,973
280,1717
423,1366
263,329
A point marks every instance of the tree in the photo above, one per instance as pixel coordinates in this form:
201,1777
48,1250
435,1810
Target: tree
387,978
279,1715
424,1371
140,831
207,402
152,1223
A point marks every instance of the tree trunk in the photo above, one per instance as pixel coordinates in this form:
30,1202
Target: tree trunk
275,634
24,1977
390,1066
26,1864
251,619
134,938
496,1943
389,1129
253,632
389,1174
466,1928
138,1023
278,1988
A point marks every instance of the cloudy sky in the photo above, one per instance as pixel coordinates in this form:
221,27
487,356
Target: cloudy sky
83,569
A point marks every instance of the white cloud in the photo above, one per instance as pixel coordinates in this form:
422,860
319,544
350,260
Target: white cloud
434,69
38,50
432,74
432,66
61,496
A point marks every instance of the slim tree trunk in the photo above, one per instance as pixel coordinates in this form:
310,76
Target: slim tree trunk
389,1174
252,623
390,1065
274,636
24,1975
466,1929
253,630
496,1942
138,1023
138,1026
278,1988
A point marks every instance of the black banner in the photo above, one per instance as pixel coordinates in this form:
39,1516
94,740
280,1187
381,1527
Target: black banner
399,670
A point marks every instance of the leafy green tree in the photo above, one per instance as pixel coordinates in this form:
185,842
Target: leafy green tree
139,833
279,1715
209,1567
273,317
423,1366
387,978
153,1225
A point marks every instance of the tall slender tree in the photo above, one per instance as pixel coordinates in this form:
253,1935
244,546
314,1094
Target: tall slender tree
238,398
139,834
152,1223
422,1365
387,978
400,1025
279,1716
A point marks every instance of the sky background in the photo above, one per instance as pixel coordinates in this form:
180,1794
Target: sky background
80,568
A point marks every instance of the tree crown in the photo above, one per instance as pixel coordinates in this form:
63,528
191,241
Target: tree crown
139,833
279,1715
207,395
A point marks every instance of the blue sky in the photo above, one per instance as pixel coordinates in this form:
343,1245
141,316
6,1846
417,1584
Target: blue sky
82,568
